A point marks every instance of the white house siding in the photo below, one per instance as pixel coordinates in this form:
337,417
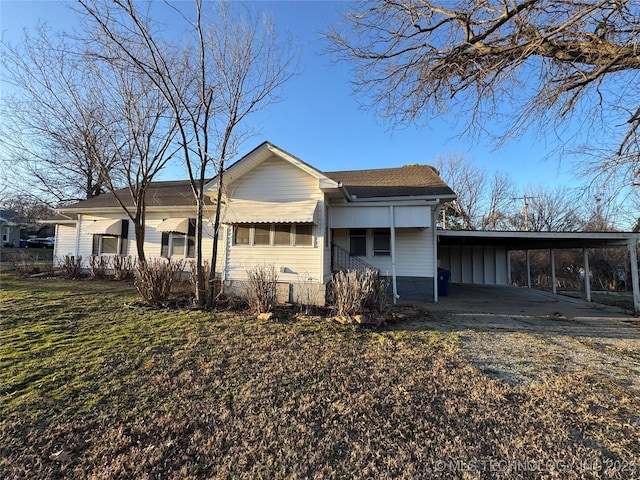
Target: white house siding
414,252
414,260
476,265
65,242
278,181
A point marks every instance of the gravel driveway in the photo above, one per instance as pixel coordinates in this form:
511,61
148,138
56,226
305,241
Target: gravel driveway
522,335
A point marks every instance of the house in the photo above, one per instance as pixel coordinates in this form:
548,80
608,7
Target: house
10,228
278,210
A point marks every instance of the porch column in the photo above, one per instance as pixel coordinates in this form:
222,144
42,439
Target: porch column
552,254
587,275
78,225
392,229
528,256
635,282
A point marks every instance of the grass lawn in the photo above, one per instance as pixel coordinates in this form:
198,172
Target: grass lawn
91,388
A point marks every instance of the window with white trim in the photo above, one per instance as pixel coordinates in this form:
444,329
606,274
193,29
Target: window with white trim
367,242
177,244
109,244
382,242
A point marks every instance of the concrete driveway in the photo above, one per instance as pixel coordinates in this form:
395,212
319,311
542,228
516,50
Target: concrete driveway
523,302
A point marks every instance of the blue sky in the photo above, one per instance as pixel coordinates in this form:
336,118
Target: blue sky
319,120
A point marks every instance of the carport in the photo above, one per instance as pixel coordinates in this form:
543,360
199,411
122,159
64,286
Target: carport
482,257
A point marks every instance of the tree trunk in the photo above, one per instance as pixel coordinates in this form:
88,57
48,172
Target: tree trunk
139,231
211,291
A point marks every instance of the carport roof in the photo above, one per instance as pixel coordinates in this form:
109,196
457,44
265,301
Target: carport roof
536,240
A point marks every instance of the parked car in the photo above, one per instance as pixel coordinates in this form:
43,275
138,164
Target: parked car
47,242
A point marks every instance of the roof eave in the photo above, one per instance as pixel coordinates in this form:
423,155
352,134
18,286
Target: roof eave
406,198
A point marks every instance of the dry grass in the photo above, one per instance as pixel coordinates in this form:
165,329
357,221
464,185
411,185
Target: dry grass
93,389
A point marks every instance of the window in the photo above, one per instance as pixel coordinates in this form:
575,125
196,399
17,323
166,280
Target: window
277,234
109,244
304,234
358,243
282,234
241,234
382,242
177,244
262,235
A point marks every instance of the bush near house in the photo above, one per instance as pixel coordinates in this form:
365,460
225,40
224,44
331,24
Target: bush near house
260,291
92,388
355,292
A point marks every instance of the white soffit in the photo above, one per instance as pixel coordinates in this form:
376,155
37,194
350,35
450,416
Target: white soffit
250,211
177,225
104,227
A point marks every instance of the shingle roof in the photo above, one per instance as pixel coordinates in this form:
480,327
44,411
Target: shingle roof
410,180
170,193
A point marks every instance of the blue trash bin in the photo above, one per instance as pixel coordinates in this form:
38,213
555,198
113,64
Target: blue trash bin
443,282
23,244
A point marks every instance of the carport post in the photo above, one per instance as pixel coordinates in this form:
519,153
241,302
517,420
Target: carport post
635,282
528,268
587,275
552,254
392,240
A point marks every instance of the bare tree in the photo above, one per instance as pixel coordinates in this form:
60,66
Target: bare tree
226,69
520,62
141,135
499,208
482,204
470,183
549,210
52,124
28,209
82,119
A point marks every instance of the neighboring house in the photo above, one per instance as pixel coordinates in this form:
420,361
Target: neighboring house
281,211
10,228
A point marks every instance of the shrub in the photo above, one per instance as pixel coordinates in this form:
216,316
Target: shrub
260,291
352,292
123,267
71,266
98,266
155,278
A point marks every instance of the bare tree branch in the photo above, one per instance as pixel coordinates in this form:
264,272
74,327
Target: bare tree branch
519,63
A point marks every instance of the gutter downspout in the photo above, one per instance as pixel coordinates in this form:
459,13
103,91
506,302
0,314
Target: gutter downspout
393,254
78,225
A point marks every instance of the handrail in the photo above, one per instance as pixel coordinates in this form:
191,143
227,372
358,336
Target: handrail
342,259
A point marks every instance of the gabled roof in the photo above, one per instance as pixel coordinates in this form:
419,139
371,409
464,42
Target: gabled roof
160,194
265,151
410,180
